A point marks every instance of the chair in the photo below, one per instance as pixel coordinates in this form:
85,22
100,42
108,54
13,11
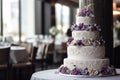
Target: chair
50,50
25,67
29,48
61,52
47,55
5,66
40,57
62,49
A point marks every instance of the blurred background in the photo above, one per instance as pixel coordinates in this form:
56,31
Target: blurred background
48,22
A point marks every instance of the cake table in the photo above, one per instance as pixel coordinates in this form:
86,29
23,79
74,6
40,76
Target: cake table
52,75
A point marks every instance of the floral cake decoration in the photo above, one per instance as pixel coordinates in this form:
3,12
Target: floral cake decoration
104,71
86,42
82,27
86,11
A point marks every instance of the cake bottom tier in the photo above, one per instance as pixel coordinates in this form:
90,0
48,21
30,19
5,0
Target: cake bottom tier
95,64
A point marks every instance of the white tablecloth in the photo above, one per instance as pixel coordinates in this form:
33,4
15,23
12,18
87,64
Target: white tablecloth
51,75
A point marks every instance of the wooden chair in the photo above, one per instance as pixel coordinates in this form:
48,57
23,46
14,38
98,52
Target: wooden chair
41,59
29,48
50,50
25,67
63,48
62,52
5,66
47,55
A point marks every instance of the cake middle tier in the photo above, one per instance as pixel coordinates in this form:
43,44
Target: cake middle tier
85,20
86,52
85,35
95,64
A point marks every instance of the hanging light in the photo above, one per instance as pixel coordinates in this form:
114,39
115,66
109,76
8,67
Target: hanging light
116,12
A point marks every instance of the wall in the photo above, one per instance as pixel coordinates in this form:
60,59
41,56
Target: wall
38,17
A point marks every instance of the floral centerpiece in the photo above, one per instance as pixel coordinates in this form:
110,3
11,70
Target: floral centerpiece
53,31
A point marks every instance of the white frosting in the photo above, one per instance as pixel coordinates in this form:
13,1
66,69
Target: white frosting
85,20
85,35
85,56
96,64
86,52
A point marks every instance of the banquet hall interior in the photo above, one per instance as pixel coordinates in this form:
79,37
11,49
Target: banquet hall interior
33,34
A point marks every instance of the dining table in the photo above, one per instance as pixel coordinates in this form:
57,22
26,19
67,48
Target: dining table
53,74
18,54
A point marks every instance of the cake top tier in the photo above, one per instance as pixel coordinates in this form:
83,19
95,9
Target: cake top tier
86,8
86,11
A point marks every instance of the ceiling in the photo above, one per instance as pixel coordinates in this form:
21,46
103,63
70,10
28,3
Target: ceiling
76,1
71,3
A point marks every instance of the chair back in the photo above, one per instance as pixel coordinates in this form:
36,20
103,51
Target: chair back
50,48
44,55
34,53
28,46
5,61
4,55
64,46
40,52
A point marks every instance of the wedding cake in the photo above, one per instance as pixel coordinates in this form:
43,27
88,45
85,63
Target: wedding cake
86,48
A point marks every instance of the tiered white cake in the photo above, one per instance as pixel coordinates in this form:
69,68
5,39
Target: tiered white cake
86,51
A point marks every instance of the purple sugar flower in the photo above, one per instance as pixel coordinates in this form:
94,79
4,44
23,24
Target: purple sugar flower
102,42
86,12
76,71
79,42
94,44
105,70
85,72
73,27
99,42
81,26
70,39
94,28
64,70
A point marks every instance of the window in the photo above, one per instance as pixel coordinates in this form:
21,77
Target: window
11,13
62,17
27,19
11,18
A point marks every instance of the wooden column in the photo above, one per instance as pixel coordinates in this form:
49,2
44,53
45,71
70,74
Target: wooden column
108,29
53,19
104,17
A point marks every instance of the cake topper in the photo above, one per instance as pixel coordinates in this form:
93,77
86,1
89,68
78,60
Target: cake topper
86,8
